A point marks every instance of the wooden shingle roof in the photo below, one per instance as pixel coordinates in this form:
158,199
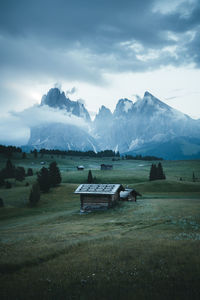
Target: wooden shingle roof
106,189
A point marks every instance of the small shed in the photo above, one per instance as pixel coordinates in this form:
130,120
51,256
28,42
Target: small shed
129,195
106,167
98,196
80,168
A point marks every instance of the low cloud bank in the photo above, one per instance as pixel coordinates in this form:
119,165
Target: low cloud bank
15,127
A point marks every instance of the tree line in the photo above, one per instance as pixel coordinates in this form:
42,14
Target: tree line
9,150
140,157
90,153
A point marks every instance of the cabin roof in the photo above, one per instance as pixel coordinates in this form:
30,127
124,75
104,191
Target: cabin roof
126,193
106,189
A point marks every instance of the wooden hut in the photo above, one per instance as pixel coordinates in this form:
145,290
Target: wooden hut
129,195
80,168
106,167
98,196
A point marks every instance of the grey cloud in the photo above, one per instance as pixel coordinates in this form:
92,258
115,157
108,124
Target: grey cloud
15,127
71,91
79,40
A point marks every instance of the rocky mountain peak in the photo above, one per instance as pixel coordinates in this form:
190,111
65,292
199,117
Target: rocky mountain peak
123,106
57,99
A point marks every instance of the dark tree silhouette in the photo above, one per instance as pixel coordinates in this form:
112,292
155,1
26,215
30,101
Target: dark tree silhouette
156,172
43,179
160,173
193,177
1,202
90,177
35,153
23,155
54,174
9,170
2,179
30,172
34,196
20,173
153,172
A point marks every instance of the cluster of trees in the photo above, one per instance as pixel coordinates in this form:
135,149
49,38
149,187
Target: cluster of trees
156,172
10,171
105,153
140,157
9,150
49,177
46,178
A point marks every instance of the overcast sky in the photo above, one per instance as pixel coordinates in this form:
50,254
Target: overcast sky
98,51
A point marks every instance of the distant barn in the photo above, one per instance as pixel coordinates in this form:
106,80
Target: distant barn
98,196
80,168
106,167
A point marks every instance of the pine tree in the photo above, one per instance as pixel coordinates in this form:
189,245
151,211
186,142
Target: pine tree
20,173
23,155
30,172
34,196
193,177
54,174
90,177
153,172
160,173
44,179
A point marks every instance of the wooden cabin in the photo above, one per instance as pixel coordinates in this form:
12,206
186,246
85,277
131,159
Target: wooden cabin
106,167
80,168
129,195
98,196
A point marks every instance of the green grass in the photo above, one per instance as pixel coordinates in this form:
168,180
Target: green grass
143,250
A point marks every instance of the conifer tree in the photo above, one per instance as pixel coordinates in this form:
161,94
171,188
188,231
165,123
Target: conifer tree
54,174
90,177
44,179
30,172
160,173
193,177
153,172
34,196
20,173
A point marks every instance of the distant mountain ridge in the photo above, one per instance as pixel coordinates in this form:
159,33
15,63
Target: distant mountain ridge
147,126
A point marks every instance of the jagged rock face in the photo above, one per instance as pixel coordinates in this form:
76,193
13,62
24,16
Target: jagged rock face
147,121
147,126
56,99
61,136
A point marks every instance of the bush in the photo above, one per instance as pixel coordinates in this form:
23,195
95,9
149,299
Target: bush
34,196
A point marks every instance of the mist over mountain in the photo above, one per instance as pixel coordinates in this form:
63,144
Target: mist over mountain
147,126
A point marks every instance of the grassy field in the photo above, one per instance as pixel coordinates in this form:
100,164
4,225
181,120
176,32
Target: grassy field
144,250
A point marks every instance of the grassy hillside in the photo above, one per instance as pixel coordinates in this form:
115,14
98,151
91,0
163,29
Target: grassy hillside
143,250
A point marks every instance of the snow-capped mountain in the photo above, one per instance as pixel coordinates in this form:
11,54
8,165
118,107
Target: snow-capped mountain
61,136
133,126
147,126
57,99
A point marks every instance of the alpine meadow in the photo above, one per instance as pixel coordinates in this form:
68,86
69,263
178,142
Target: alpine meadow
99,150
